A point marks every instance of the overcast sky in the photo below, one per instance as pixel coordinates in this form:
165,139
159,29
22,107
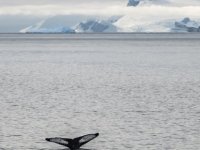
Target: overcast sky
88,7
78,2
47,2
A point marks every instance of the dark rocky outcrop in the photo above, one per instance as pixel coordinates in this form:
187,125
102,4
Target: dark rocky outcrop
186,25
133,2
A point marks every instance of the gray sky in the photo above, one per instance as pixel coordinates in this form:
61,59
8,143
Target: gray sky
77,2
83,2
58,2
93,7
54,7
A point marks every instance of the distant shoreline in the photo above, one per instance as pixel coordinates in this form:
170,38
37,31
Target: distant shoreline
106,33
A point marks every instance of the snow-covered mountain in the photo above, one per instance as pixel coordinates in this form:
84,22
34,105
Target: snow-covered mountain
167,25
96,26
70,24
47,30
110,26
147,2
186,25
39,28
139,16
55,24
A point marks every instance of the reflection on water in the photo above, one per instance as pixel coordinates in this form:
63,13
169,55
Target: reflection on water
139,91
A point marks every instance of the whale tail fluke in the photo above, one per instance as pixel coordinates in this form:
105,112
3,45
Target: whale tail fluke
73,144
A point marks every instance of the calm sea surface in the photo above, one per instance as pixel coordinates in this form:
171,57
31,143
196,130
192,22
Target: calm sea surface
139,91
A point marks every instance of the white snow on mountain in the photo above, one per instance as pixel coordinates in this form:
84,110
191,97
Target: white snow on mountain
40,28
96,26
163,2
73,23
48,30
145,26
186,25
147,2
37,26
55,24
166,25
151,16
106,26
140,16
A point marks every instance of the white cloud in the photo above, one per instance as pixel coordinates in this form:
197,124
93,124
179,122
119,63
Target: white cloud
77,2
96,7
59,2
137,13
45,10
